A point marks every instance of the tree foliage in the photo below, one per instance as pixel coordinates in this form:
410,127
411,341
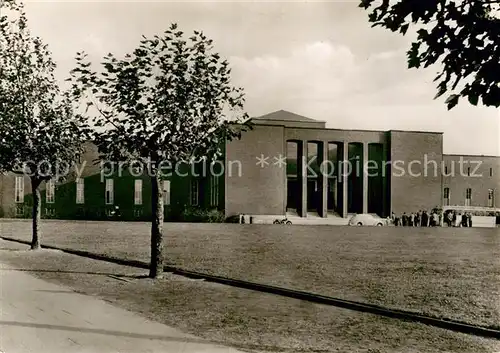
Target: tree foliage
39,132
169,100
462,35
38,128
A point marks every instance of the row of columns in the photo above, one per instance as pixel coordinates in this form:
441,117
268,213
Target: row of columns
323,185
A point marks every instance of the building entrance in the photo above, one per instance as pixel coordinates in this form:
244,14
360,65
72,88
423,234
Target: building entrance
293,195
313,197
332,195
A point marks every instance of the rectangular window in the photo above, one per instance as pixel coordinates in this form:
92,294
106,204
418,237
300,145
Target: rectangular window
491,196
50,191
292,158
19,189
194,195
468,196
446,196
292,171
468,171
491,172
166,192
446,169
138,192
19,210
80,196
109,192
313,159
214,191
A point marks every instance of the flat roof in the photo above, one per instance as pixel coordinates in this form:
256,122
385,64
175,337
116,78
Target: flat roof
287,116
418,132
324,128
469,155
358,130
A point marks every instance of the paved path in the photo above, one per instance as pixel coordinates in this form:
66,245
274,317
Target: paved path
40,317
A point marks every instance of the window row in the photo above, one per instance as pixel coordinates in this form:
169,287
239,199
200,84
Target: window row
468,197
194,192
50,191
469,171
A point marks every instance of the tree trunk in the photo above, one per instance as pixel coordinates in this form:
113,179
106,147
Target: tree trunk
157,255
36,214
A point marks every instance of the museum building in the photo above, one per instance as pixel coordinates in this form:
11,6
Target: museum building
286,164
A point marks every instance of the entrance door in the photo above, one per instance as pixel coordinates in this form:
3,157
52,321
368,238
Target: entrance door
312,195
332,194
292,197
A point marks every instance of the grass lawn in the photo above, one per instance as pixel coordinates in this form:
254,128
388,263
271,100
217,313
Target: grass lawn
444,272
247,320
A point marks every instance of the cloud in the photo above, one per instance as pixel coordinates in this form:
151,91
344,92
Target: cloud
319,59
326,81
94,43
323,74
310,73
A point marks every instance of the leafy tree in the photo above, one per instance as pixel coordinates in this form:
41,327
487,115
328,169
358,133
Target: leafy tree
464,35
168,101
39,134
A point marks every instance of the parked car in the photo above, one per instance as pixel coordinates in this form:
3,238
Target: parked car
366,219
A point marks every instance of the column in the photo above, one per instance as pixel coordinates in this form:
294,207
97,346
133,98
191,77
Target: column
365,177
345,152
303,178
323,153
385,181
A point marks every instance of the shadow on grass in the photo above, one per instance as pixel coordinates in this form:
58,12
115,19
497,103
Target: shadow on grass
453,325
104,332
90,255
78,272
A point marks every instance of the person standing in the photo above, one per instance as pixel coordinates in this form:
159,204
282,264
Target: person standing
436,219
417,219
404,218
411,220
464,220
449,219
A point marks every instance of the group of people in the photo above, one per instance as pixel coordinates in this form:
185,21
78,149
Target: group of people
432,219
417,219
452,219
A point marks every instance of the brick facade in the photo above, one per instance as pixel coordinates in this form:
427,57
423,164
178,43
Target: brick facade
252,188
411,174
416,178
479,173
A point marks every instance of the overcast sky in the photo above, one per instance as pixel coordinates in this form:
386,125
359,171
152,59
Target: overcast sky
318,59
